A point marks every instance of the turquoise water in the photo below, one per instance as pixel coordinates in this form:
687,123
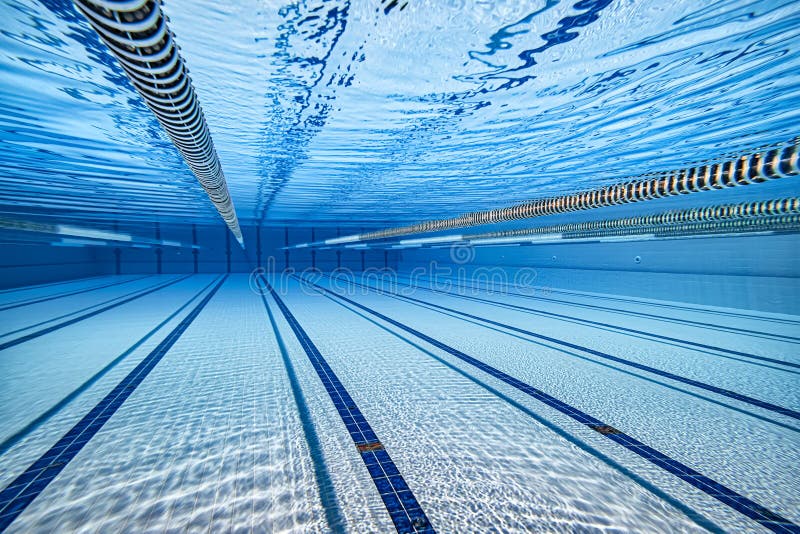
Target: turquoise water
594,366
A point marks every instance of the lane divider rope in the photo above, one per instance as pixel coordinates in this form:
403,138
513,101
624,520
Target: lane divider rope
137,34
769,163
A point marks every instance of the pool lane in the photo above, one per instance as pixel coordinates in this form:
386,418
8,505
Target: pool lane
322,474
198,443
673,463
32,426
115,281
477,462
747,315
85,313
794,414
674,309
771,382
617,327
36,375
209,441
26,488
762,327
21,321
401,504
15,293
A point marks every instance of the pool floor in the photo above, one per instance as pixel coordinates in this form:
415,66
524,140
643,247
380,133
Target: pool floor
173,403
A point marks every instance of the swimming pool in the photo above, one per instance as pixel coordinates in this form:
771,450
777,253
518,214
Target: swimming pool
343,266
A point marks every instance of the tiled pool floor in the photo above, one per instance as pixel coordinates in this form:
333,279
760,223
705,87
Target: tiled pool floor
167,406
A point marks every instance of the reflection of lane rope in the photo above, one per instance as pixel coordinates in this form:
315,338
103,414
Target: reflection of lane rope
136,32
768,164
462,253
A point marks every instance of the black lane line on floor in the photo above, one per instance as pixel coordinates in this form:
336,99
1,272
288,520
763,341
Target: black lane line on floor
43,331
616,368
750,317
75,312
20,304
403,507
696,383
701,324
68,314
53,410
26,487
327,492
725,495
588,322
671,306
649,486
38,286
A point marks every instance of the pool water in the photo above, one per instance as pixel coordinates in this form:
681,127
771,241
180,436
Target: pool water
390,350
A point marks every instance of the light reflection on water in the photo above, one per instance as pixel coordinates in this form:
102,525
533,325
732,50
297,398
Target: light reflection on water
332,112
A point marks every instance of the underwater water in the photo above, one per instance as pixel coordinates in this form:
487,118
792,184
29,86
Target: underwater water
504,266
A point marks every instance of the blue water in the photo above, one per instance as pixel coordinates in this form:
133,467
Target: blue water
157,377
335,112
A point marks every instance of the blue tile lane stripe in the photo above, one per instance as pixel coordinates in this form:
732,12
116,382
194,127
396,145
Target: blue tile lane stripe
43,331
400,502
22,303
609,298
53,410
701,385
26,487
675,306
701,324
39,286
610,326
740,503
327,491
